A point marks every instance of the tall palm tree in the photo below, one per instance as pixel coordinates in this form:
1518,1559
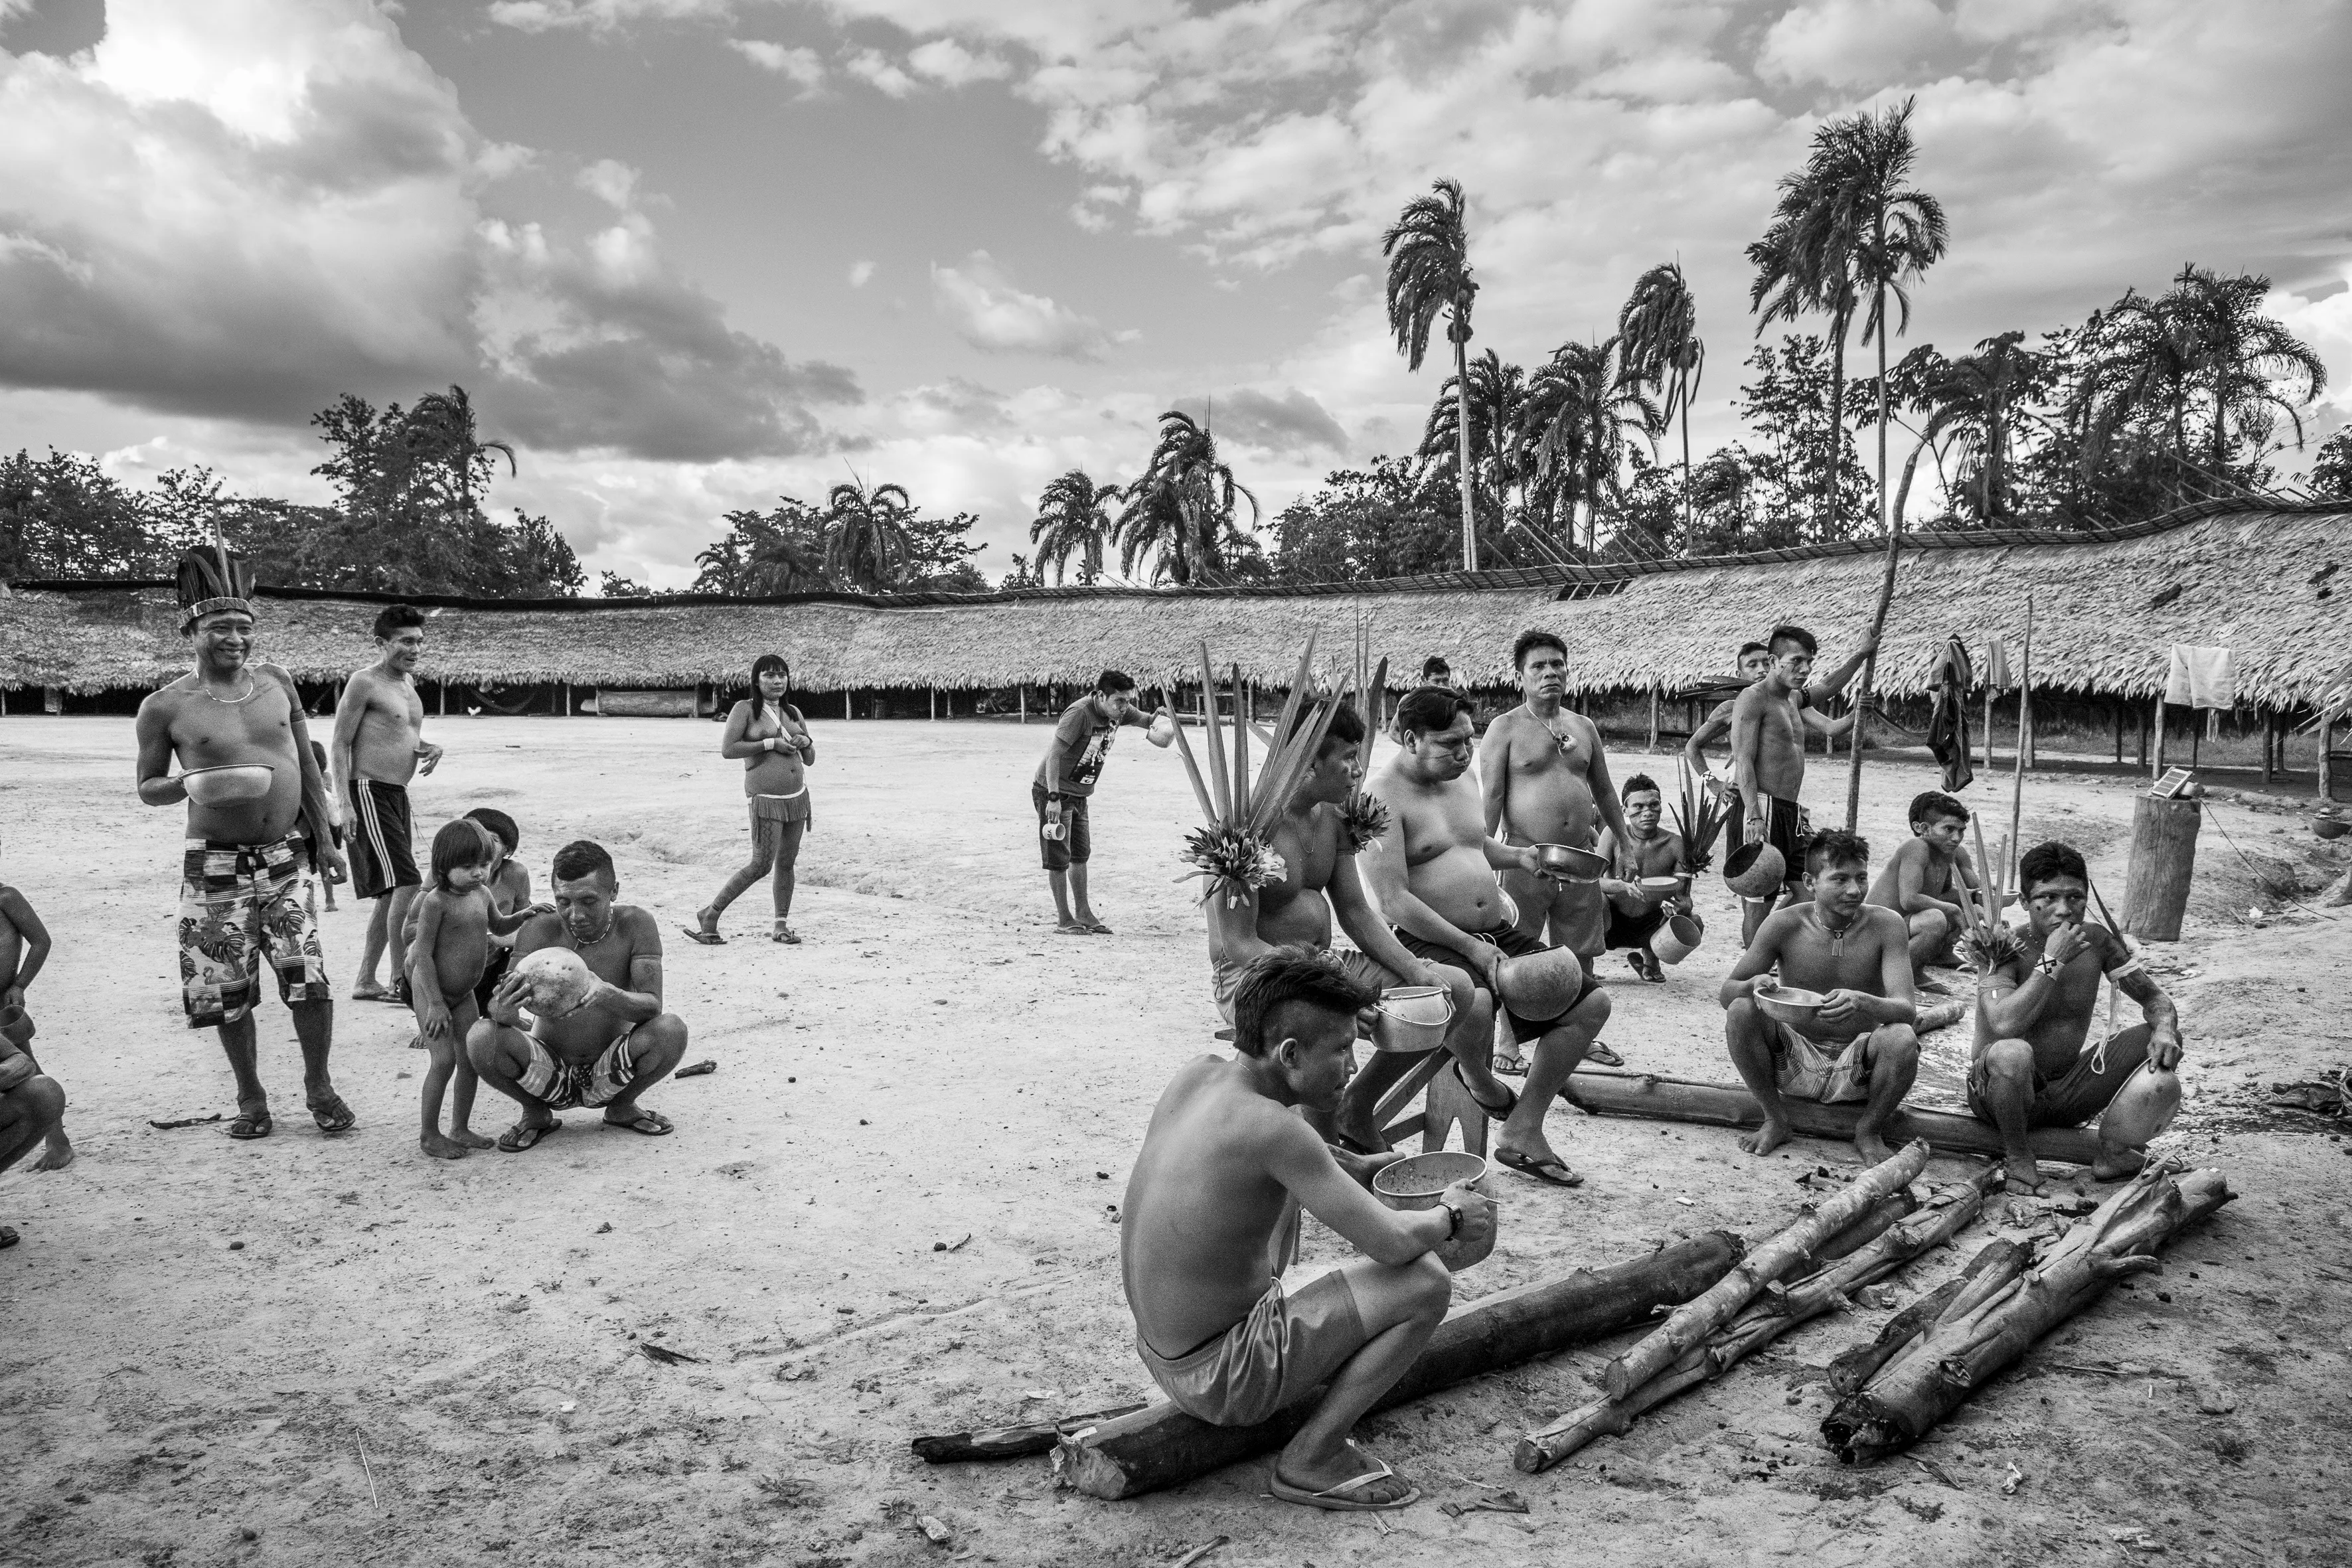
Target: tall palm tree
447,421
866,542
1803,263
1073,518
1582,408
1659,326
1498,453
2243,357
1181,510
1428,251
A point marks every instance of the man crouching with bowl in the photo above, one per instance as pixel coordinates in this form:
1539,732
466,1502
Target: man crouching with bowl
1210,1219
1858,1044
603,1047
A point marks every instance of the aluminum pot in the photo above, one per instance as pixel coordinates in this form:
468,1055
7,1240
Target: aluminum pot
1419,1182
1570,864
1412,1019
1677,939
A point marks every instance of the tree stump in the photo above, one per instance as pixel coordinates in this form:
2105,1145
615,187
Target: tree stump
2163,854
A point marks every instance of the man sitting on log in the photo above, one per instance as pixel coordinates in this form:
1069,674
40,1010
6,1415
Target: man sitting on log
1208,1216
1859,1045
1434,876
1317,843
2033,1013
1927,879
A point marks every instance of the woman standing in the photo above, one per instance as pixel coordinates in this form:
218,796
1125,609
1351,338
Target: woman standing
772,739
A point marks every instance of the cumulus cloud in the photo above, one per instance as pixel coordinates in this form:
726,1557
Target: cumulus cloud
990,313
861,273
945,61
1290,421
799,66
246,211
1853,43
881,72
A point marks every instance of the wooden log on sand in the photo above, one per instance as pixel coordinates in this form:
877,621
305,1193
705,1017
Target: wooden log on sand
1161,1447
1729,1105
1693,1321
1969,1346
1010,1442
1996,1263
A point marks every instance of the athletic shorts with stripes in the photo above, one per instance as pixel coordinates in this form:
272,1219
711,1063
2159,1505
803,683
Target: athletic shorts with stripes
383,855
238,903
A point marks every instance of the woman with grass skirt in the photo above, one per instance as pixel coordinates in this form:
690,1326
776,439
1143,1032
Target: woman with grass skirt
772,739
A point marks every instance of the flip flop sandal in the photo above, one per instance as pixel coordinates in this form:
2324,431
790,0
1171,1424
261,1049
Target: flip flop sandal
707,937
1541,1170
1508,1067
652,1123
786,935
250,1124
331,1114
369,994
1072,928
9,1237
521,1138
1098,929
1602,1055
1335,1499
1510,1100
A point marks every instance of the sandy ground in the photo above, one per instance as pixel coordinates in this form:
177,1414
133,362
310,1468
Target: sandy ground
311,1351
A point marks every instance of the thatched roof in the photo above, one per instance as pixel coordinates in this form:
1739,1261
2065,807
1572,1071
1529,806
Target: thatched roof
2107,609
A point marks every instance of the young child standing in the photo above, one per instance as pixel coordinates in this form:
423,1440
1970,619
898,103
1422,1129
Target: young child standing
509,887
455,922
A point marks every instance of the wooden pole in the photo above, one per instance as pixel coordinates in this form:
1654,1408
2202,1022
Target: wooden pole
1862,703
2326,756
935,704
2163,854
1163,1447
2119,736
1024,703
2155,768
1729,1105
1987,761
1653,718
845,713
2025,744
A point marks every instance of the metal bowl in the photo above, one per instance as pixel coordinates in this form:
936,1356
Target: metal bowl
2331,826
228,783
1790,1004
1541,985
1755,870
1419,1182
1658,890
1571,864
1412,1019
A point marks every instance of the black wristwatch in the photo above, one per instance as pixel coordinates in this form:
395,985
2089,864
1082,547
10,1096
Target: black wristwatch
1453,1227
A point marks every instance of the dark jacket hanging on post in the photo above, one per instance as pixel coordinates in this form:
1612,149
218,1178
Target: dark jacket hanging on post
1947,727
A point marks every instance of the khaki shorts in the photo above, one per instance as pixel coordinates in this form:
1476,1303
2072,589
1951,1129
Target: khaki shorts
1285,1349
1810,1069
1225,978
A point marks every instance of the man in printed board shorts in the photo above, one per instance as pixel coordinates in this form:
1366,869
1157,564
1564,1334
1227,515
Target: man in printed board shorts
1224,1166
245,894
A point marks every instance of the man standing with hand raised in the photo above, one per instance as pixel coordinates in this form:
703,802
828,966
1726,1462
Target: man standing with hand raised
1065,785
1768,757
243,896
379,743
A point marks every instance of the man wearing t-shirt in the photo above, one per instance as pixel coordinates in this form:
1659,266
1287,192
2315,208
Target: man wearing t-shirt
1064,781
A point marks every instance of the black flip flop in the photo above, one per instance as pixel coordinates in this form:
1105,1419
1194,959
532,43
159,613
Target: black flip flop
1600,1055
251,1124
707,937
1540,1170
8,1237
1510,1097
650,1123
331,1113
522,1138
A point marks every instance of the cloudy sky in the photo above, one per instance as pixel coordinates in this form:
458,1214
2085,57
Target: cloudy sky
690,253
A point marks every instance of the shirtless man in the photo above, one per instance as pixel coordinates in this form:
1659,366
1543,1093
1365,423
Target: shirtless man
379,743
243,893
1320,880
1649,850
2034,1014
1768,759
1224,1167
1755,663
1860,1046
1543,780
23,953
1918,882
1432,874
617,1044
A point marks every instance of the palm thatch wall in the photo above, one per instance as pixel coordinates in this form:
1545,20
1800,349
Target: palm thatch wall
2107,610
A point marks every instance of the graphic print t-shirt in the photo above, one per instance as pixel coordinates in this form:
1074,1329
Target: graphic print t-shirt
1084,742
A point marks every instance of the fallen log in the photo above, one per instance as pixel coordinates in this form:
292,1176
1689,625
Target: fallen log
1777,1310
1728,1105
1970,1345
1998,1262
1160,1445
1010,1442
1693,1321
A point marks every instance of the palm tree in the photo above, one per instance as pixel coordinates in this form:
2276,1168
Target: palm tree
1802,263
866,542
1582,406
2243,357
1181,510
1428,251
1497,407
448,421
1073,518
1659,326
1972,407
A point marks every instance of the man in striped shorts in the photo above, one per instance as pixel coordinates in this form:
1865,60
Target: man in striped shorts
379,746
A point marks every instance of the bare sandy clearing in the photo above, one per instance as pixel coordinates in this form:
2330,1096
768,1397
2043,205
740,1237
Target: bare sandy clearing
409,1360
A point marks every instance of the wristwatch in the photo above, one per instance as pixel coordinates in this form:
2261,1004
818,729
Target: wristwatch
1453,1226
2048,967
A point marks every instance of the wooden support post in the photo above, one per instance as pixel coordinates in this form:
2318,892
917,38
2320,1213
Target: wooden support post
2155,768
2163,854
1160,1445
567,700
1024,703
935,704
1987,761
2326,756
1653,718
844,704
2119,736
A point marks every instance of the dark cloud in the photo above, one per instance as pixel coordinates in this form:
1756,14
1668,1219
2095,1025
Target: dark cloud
1292,423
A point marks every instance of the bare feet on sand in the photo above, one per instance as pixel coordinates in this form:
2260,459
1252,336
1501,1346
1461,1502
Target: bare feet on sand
441,1148
471,1139
2024,1176
1767,1137
57,1154
2115,1164
1872,1149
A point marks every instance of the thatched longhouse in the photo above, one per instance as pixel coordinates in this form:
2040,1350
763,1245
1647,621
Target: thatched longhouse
2108,606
